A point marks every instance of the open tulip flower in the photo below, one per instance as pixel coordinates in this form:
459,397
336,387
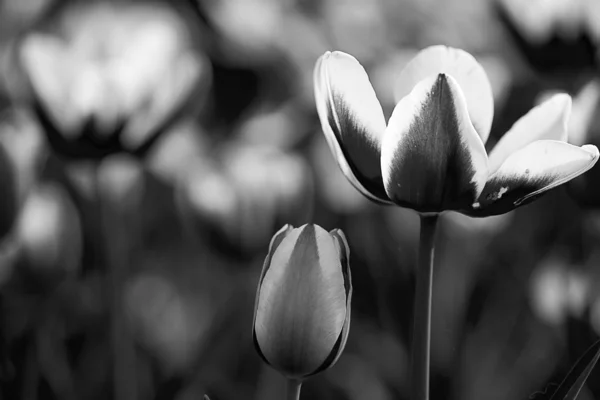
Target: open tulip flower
430,156
302,310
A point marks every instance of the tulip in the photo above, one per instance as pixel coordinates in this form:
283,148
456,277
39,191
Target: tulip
49,233
430,156
112,77
302,309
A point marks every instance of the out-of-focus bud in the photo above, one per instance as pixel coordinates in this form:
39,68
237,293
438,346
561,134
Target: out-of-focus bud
248,27
25,146
238,205
302,309
558,292
49,233
121,181
111,77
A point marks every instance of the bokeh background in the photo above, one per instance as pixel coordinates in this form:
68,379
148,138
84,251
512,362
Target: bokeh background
149,150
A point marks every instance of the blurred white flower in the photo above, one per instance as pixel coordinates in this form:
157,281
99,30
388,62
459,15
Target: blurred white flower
253,190
23,140
113,62
539,20
250,28
281,127
177,150
558,291
121,180
583,111
49,232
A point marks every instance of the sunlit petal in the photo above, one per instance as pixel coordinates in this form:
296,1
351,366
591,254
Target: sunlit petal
463,67
530,172
352,120
547,121
432,158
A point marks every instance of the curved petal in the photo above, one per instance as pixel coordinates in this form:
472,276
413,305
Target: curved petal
547,121
301,306
463,67
530,172
432,158
352,120
344,252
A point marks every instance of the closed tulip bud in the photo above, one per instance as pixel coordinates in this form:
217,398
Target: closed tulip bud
302,309
430,155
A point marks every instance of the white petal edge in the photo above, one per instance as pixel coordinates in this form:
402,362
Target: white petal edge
322,99
469,74
346,77
404,115
546,121
545,158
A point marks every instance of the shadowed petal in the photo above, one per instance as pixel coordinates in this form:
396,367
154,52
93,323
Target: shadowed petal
352,120
547,121
463,67
432,159
530,172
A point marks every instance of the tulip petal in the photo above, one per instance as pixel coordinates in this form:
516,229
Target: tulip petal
547,121
301,306
463,67
344,253
530,172
352,120
275,242
432,159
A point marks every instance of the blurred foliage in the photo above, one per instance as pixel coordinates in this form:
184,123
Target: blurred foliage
179,231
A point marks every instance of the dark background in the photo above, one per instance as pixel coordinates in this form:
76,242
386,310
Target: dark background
167,240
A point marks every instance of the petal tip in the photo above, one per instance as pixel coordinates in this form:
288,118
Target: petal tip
593,150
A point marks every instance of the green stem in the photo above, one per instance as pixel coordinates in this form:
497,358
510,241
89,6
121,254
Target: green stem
419,382
292,391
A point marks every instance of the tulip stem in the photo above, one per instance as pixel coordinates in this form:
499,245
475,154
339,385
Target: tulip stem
421,338
292,390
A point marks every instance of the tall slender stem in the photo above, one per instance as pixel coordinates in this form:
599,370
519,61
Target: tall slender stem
421,337
292,391
118,235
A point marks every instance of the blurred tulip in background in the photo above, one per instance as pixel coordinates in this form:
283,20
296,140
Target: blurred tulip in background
111,77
